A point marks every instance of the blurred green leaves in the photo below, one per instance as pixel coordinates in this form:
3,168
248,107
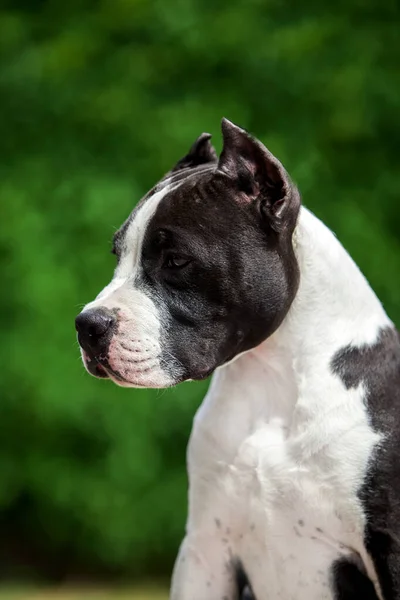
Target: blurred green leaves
98,100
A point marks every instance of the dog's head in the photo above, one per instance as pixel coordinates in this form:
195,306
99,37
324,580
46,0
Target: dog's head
205,268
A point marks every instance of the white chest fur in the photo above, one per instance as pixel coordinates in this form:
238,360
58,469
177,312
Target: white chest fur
280,490
280,447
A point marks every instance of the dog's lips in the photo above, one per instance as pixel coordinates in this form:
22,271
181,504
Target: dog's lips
94,367
101,372
99,367
117,378
123,370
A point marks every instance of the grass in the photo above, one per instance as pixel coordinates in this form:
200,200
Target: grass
71,593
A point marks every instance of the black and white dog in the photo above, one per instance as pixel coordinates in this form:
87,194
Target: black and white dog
294,457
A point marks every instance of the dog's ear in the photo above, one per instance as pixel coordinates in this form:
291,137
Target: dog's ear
258,175
202,152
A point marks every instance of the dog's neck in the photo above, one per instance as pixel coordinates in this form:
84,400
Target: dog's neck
334,307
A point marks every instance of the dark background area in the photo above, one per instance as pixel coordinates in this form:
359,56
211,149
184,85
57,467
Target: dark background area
98,99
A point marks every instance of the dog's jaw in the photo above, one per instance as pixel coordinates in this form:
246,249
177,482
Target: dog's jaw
131,360
127,372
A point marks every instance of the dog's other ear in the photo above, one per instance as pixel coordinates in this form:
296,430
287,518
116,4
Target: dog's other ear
258,175
200,153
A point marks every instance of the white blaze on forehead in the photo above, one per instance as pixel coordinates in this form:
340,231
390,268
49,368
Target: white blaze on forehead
132,244
129,265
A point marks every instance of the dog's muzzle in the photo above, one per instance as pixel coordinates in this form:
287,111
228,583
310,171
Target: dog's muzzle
117,346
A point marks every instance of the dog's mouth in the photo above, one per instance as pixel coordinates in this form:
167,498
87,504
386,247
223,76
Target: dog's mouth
99,367
131,362
96,367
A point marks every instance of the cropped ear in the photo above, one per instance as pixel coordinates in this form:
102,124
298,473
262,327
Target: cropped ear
202,152
259,175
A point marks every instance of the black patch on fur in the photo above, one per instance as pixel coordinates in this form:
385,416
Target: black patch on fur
241,277
350,583
377,366
239,273
243,585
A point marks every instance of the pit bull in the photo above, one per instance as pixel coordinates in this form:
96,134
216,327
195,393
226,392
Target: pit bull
294,456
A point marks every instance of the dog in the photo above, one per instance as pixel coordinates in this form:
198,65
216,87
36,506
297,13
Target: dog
293,459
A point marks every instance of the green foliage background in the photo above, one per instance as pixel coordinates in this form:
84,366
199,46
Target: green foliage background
97,101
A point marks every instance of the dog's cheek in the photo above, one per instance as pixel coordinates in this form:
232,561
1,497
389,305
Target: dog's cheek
200,351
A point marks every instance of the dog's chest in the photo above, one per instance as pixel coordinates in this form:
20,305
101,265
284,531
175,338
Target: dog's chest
283,500
294,520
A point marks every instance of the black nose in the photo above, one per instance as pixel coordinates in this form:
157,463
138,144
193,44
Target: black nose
94,328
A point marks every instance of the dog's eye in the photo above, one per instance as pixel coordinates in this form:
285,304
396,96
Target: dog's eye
175,262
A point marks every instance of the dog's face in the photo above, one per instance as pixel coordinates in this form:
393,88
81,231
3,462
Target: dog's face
205,268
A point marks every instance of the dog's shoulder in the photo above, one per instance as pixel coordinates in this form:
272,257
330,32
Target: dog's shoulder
377,367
